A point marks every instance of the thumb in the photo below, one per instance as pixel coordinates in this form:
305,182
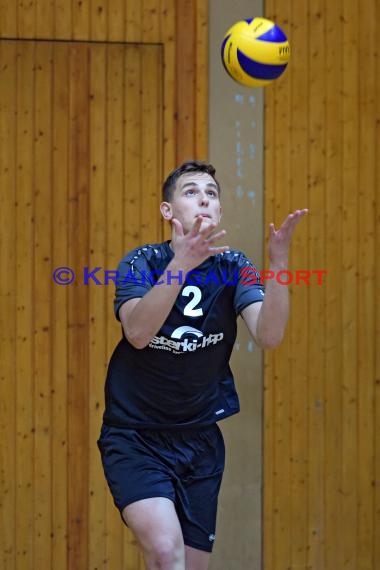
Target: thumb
177,227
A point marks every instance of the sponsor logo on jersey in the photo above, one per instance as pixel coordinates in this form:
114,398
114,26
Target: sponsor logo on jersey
185,339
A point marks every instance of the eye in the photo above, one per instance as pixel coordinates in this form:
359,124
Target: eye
190,192
212,193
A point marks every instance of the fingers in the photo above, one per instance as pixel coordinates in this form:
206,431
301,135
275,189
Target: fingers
290,222
296,216
216,236
209,237
196,226
206,231
220,249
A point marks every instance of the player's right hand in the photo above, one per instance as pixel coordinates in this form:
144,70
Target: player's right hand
194,247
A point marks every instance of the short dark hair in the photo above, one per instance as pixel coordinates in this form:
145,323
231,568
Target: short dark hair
168,186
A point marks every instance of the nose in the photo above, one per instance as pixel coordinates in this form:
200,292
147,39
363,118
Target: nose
204,200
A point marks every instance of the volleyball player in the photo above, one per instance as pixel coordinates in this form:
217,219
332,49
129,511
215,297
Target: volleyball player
169,381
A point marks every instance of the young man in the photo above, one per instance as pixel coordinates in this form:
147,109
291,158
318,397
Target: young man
169,379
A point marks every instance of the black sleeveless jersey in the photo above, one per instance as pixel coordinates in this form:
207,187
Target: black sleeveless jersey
182,378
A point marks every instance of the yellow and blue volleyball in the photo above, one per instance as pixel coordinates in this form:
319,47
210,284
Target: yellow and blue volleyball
255,52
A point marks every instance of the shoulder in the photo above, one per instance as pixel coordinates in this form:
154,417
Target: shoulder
234,257
147,253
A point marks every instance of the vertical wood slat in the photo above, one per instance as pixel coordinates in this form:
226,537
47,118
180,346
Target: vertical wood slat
169,38
25,307
168,35
114,222
185,70
99,20
44,14
132,147
59,443
7,307
376,408
8,19
133,21
316,365
333,228
350,169
80,20
97,302
269,460
42,295
150,224
367,286
298,329
116,20
62,20
282,438
201,86
132,195
78,311
26,18
150,20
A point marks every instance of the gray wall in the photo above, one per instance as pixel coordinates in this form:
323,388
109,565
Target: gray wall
236,150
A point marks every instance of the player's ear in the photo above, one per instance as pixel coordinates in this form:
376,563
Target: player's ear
166,210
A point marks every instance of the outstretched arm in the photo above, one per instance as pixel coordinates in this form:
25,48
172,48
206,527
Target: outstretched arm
267,321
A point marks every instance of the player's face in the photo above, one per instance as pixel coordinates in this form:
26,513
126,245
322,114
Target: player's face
196,193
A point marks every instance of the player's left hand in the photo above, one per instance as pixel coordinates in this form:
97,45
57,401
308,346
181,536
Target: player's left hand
279,240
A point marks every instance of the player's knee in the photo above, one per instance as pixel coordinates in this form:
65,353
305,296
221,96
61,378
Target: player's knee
167,553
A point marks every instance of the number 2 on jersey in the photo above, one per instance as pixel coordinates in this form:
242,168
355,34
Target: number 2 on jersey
195,293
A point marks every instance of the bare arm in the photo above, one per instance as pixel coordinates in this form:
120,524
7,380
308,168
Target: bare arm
267,321
142,318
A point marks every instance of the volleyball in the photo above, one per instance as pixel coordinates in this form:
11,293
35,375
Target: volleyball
255,52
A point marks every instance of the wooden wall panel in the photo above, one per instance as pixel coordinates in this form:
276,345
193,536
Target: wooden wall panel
8,11
116,20
132,137
8,333
139,21
201,86
78,349
62,22
298,365
87,132
376,505
333,227
368,254
282,401
321,483
69,142
97,299
151,144
24,310
186,72
315,259
134,20
59,301
42,348
376,404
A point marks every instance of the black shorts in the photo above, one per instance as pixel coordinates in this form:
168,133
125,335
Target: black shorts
185,466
